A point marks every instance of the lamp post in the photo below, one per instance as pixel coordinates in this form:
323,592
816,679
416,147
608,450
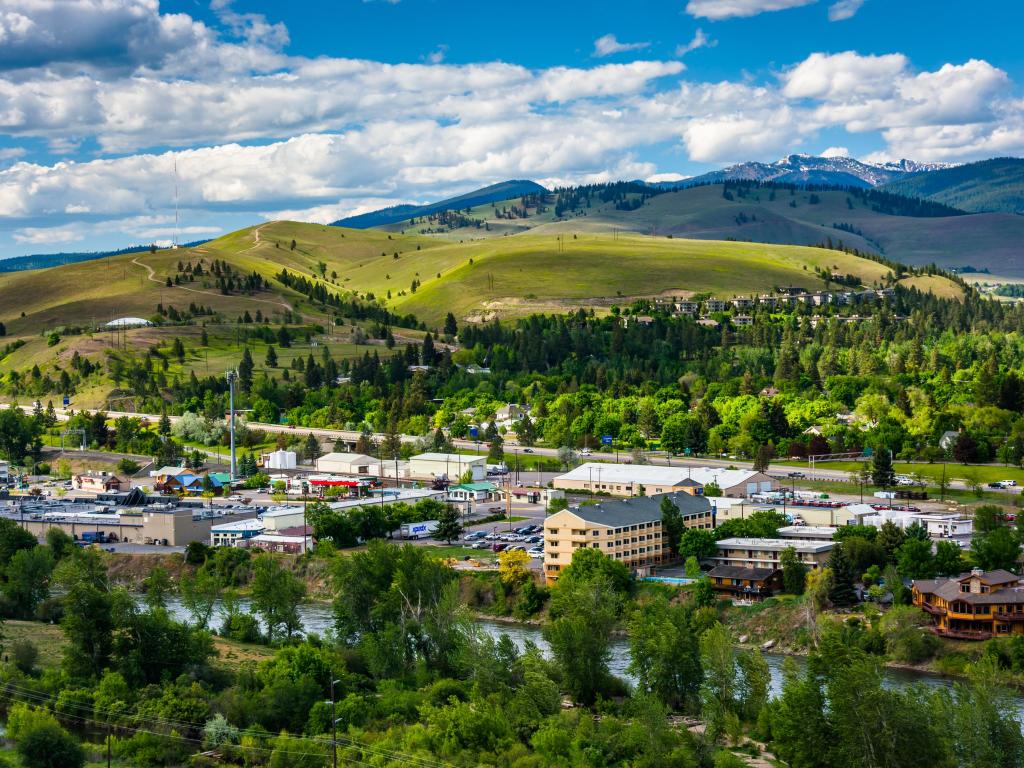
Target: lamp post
334,724
231,376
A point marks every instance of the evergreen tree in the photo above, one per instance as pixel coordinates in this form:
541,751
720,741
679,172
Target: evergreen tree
245,369
794,572
451,328
271,359
312,447
882,473
672,525
842,593
890,538
449,527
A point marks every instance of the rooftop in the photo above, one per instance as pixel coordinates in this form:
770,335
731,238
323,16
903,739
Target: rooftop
807,532
453,458
638,509
350,458
949,588
648,474
738,572
809,547
250,524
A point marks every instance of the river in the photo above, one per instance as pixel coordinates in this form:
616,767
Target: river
317,617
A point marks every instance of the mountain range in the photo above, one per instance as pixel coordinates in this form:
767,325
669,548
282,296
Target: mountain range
807,170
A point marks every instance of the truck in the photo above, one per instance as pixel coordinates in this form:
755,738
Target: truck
418,530
93,537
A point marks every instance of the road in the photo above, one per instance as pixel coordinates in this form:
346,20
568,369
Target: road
781,473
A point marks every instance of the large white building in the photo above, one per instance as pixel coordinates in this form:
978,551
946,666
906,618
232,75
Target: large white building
627,479
347,464
453,465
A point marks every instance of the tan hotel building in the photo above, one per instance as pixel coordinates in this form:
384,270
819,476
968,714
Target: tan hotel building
628,530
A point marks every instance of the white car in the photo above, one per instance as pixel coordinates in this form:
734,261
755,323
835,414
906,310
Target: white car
235,497
535,552
586,452
1007,483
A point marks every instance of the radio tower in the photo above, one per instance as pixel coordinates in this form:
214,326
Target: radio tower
174,242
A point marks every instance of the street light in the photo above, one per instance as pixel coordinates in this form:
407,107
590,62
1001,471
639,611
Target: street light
334,724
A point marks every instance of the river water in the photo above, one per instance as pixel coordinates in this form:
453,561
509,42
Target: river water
317,618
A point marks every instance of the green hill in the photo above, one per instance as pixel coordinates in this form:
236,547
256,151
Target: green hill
764,214
995,185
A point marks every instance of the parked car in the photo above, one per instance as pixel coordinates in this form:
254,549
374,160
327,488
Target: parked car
527,450
535,552
796,474
481,545
500,547
235,497
1007,483
477,535
586,452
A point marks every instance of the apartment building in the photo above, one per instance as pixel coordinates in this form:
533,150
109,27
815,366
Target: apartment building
628,530
765,553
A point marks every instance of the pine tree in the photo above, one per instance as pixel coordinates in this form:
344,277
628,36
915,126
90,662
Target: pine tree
271,359
451,328
842,593
882,473
245,369
672,525
313,450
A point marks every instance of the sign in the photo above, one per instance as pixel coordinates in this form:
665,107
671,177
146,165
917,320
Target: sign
868,452
474,432
67,401
606,439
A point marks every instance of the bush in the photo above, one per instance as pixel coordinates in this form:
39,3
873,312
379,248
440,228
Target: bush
24,654
47,745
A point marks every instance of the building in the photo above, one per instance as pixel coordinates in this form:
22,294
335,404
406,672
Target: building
236,533
745,583
973,606
627,479
347,464
99,482
5,472
428,466
537,495
808,532
628,530
466,492
163,524
280,459
291,544
765,553
164,472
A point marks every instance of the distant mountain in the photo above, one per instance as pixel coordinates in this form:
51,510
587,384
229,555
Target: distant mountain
500,191
995,185
45,260
809,170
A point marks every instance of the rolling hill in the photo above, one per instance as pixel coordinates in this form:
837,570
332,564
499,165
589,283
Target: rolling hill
768,215
500,191
990,185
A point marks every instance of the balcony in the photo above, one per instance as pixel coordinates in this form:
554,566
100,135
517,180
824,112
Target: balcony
1007,616
962,634
934,610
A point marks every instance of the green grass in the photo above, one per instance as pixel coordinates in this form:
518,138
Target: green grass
984,473
458,552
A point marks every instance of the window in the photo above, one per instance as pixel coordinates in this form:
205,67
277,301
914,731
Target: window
595,532
596,545
965,588
984,589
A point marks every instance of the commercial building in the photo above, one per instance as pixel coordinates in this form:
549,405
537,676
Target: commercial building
467,492
236,532
148,523
347,464
628,530
98,482
741,583
631,479
428,466
765,553
280,542
973,606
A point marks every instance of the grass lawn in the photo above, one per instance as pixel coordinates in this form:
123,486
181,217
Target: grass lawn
48,639
457,552
983,473
961,496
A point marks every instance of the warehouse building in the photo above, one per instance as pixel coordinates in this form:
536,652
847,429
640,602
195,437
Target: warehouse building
628,530
427,466
347,464
640,479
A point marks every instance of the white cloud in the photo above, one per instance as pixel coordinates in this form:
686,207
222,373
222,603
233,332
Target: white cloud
843,75
607,45
716,10
68,233
836,152
437,55
844,9
700,40
665,177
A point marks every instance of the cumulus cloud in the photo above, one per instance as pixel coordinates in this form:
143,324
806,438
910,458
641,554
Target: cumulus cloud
844,9
836,152
607,45
716,10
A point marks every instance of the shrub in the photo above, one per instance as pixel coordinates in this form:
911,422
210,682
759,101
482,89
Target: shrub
47,745
24,654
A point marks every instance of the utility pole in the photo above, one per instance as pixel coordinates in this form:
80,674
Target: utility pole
334,724
231,377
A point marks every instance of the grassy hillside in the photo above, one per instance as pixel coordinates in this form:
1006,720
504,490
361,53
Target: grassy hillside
991,185
536,272
983,240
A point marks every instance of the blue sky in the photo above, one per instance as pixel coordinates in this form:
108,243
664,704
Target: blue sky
317,109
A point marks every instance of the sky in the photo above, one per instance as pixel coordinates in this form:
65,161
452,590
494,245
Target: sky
251,110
